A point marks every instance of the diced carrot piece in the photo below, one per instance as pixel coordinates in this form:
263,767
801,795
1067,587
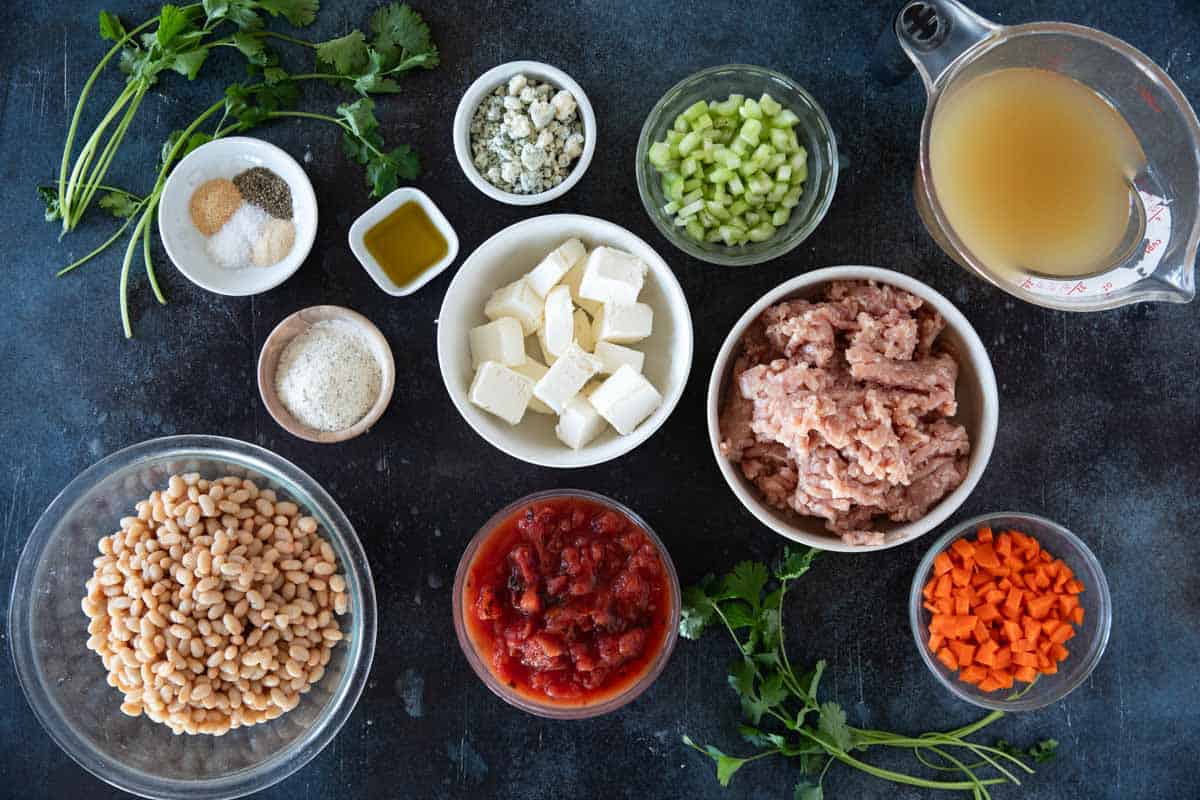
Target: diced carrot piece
1062,633
1025,674
1077,615
980,579
981,633
947,658
1067,603
960,576
927,592
1044,646
1032,629
1012,631
964,625
984,535
987,612
1014,563
963,547
1041,578
963,652
1025,659
942,564
1058,652
1040,606
1045,557
1012,603
1003,545
1074,587
1003,658
962,604
928,606
973,673
985,556
994,596
988,684
1050,669
1049,625
942,624
1022,646
936,640
1020,541
986,653
1032,550
1002,676
1044,660
944,605
943,587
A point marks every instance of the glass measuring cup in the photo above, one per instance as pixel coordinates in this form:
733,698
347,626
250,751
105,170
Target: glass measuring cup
951,45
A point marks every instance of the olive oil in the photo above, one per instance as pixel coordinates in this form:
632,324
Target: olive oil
405,243
1033,170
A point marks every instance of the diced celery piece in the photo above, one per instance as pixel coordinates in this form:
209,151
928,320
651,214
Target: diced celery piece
737,99
695,230
706,219
798,160
725,108
727,158
708,148
681,125
691,208
736,186
675,190
694,111
780,217
752,218
749,167
774,162
713,236
702,122
738,207
674,138
660,154
768,105
717,210
800,173
759,183
689,143
777,192
720,195
783,174
792,198
729,235
692,196
719,175
740,147
671,207
763,152
785,119
751,130
679,221
781,141
738,221
688,167
761,232
749,109
755,200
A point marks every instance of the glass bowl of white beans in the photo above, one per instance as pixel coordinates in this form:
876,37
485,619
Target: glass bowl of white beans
72,692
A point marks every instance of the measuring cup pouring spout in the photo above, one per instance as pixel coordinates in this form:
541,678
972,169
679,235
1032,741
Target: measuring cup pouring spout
951,46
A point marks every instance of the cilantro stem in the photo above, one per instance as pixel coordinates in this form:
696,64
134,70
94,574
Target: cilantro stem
100,169
150,274
84,159
104,246
286,38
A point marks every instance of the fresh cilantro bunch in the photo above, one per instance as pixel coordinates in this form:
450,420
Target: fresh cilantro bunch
180,39
784,715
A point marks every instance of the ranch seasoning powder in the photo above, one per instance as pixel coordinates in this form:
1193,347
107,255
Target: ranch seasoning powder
327,377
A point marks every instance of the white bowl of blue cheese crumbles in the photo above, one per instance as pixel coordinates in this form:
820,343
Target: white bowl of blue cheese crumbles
524,133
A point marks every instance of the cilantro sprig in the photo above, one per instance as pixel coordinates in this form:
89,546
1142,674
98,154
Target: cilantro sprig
180,39
784,714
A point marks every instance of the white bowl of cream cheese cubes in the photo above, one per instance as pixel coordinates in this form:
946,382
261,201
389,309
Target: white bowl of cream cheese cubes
565,340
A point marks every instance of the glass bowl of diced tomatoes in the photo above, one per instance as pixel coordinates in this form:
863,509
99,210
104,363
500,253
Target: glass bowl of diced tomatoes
1010,611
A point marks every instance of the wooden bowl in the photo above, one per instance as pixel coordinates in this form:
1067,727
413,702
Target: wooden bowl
293,326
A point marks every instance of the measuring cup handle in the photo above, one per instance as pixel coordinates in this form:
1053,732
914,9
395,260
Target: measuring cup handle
890,64
934,33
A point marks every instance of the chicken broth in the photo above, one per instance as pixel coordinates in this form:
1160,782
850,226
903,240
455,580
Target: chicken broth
1033,169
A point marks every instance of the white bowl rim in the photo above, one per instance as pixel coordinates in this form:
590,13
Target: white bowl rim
242,782
586,456
976,354
489,81
304,239
381,209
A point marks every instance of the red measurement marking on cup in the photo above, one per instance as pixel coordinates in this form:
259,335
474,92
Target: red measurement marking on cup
1107,287
1149,99
1077,288
1152,246
1158,209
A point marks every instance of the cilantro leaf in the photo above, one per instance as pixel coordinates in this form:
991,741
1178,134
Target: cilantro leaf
695,614
807,790
195,140
188,62
49,196
832,723
1041,752
384,172
746,582
359,115
252,47
347,55
795,562
761,738
726,764
119,204
239,12
172,21
111,27
298,12
398,32
772,691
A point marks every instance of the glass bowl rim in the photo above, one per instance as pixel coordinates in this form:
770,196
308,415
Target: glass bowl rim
550,710
774,247
1091,658
264,774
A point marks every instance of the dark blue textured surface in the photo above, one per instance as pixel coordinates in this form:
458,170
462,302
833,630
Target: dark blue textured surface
1100,414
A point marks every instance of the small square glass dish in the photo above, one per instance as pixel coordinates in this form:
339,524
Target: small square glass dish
403,241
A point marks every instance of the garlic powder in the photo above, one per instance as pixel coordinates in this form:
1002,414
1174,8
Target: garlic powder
327,377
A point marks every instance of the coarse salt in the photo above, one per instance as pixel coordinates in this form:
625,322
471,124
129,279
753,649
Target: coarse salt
231,246
327,377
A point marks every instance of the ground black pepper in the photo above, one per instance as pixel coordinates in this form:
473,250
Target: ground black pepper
265,189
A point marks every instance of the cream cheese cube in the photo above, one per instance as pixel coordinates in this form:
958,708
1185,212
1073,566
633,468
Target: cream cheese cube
612,356
612,276
534,370
572,280
559,328
565,378
501,341
519,301
622,323
501,391
547,356
546,275
625,399
583,330
579,423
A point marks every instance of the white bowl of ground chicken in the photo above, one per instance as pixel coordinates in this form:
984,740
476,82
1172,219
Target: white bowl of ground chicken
899,459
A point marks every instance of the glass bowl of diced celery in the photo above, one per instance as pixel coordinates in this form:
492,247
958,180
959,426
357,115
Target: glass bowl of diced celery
737,165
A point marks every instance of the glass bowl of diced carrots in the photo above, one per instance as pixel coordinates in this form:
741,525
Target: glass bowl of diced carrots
1010,611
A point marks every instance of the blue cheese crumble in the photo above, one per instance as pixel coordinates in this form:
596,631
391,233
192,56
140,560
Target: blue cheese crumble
526,136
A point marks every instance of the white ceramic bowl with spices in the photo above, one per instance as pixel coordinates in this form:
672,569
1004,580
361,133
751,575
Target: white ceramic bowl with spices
487,83
295,325
187,247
